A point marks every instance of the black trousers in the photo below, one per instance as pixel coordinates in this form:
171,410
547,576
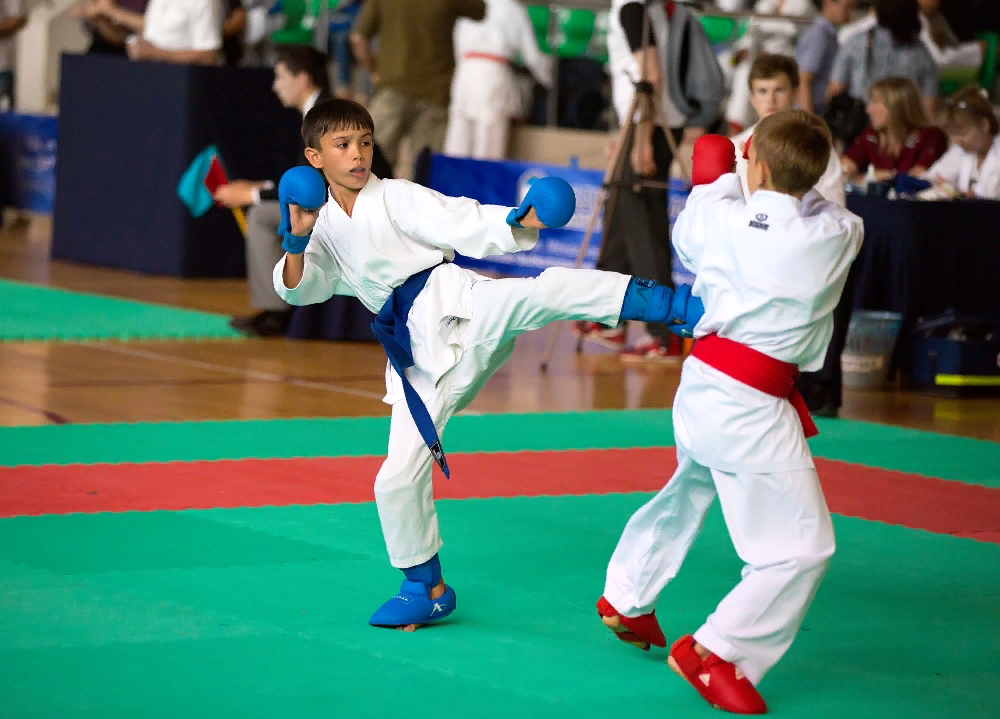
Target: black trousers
637,233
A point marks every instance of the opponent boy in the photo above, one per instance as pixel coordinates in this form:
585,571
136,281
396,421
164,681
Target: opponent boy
446,330
773,83
770,271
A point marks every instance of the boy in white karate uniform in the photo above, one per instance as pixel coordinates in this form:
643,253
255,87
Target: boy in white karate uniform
770,270
773,82
446,329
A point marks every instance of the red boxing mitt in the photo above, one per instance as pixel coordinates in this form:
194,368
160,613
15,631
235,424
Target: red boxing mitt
714,156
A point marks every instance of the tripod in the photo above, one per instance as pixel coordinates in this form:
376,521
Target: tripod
607,198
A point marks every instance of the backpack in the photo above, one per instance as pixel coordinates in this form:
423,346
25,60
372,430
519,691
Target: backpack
695,82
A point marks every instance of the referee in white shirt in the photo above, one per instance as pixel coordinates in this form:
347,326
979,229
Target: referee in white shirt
181,31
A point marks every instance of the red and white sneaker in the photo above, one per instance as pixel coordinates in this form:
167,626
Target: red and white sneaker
610,337
638,631
653,351
719,682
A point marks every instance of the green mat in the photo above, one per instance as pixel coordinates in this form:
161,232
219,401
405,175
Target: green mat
34,313
262,613
894,448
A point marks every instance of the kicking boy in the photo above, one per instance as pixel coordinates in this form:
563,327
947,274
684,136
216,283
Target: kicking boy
446,330
770,271
774,80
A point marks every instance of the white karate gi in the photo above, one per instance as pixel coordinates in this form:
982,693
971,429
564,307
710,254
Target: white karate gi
484,91
773,290
830,185
962,171
462,325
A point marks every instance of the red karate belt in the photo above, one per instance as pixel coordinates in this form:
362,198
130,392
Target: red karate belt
487,56
755,369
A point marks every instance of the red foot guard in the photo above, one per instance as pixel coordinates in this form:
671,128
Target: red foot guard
719,682
638,631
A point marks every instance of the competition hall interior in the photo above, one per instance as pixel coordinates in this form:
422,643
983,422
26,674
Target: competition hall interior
189,519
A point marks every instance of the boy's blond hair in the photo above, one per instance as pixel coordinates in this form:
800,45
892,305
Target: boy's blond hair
795,145
768,67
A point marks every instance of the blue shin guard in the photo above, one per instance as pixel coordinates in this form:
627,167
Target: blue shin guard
648,301
413,604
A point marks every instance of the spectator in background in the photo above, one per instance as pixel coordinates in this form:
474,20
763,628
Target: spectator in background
300,81
233,29
484,93
816,51
890,48
775,37
637,229
339,43
942,42
773,80
415,64
972,166
107,37
900,138
181,31
12,19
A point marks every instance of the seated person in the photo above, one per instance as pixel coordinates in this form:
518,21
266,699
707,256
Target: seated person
972,166
900,138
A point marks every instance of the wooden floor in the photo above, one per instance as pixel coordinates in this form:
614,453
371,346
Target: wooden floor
196,380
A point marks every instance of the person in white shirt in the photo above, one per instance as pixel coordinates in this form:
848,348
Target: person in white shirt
392,243
484,94
12,19
180,31
971,167
773,81
770,270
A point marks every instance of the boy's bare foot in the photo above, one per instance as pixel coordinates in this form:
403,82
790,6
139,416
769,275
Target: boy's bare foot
436,593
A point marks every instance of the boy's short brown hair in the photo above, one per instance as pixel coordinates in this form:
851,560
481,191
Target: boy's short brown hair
796,146
768,67
334,114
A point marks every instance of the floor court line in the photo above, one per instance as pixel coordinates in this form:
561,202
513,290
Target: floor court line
225,369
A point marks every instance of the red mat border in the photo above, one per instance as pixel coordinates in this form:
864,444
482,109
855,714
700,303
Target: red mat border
910,500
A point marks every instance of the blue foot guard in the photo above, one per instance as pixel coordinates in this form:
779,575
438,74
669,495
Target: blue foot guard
413,603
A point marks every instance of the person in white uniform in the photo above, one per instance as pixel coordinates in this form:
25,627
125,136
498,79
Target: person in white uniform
971,167
446,329
484,92
770,270
773,82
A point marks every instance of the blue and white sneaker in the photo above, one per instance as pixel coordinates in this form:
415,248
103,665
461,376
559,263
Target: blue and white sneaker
413,605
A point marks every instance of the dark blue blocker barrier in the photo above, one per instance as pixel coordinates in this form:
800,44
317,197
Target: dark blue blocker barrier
27,161
129,130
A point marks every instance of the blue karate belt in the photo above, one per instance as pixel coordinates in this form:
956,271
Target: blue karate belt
390,329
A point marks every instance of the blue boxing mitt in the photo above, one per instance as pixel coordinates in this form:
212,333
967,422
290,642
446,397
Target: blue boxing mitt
649,301
302,186
553,200
686,311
